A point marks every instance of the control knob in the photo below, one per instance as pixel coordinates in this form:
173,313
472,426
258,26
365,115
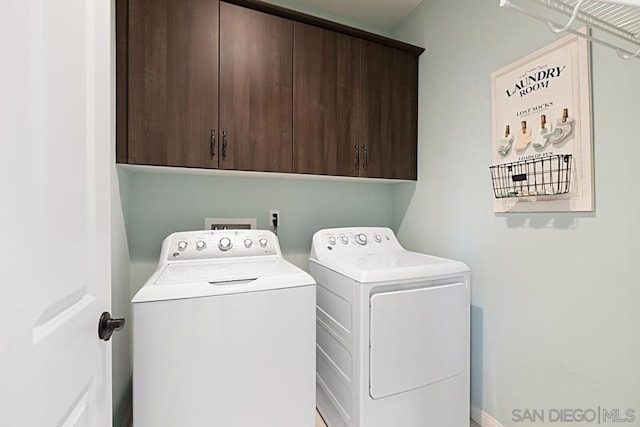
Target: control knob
248,243
361,239
263,242
200,245
344,239
225,244
377,238
182,245
332,240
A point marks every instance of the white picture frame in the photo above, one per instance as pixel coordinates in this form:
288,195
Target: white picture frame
550,81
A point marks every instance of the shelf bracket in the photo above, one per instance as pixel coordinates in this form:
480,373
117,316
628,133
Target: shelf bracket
553,27
627,55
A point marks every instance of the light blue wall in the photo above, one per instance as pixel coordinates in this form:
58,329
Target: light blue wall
162,203
555,296
120,296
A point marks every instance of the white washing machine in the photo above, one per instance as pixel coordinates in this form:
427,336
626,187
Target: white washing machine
224,335
392,332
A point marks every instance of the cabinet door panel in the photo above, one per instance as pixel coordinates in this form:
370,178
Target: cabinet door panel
326,95
255,90
389,112
172,87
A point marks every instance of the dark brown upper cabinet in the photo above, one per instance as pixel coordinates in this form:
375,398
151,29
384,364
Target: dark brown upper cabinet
389,112
256,90
248,85
168,73
326,97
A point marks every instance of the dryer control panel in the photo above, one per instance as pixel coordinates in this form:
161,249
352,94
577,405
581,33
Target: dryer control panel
205,244
353,240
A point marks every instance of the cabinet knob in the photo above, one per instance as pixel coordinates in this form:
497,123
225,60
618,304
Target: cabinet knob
357,156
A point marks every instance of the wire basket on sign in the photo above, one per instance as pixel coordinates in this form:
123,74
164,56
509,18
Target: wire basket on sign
545,176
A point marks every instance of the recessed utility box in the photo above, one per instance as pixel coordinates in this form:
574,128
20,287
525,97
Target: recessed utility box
230,223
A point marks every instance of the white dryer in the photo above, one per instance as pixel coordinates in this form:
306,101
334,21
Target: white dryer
392,332
224,335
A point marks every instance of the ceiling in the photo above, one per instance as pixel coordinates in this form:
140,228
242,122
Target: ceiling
384,14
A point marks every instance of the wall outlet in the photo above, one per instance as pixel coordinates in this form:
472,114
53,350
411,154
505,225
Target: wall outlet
274,215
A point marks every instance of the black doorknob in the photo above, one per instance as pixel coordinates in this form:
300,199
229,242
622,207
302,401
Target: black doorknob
108,325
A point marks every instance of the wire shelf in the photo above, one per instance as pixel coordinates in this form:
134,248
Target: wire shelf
617,19
546,176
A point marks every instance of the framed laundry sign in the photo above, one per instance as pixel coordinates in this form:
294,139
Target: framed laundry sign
541,130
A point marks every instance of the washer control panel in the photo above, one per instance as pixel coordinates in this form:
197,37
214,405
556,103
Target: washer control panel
195,245
355,240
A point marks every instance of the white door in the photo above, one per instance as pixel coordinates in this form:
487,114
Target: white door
55,154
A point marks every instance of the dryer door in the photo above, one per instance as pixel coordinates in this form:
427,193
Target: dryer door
417,337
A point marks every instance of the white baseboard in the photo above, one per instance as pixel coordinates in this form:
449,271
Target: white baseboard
482,418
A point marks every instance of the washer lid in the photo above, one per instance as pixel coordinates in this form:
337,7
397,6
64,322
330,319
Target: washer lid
200,279
396,265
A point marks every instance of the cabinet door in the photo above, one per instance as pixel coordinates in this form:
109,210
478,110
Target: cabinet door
172,82
388,135
326,95
255,90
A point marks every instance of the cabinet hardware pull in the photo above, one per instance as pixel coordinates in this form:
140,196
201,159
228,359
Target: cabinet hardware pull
357,152
224,144
213,143
364,163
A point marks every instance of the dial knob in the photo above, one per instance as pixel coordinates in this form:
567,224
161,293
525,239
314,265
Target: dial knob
377,238
200,245
332,240
182,245
344,239
263,242
361,239
248,243
225,244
